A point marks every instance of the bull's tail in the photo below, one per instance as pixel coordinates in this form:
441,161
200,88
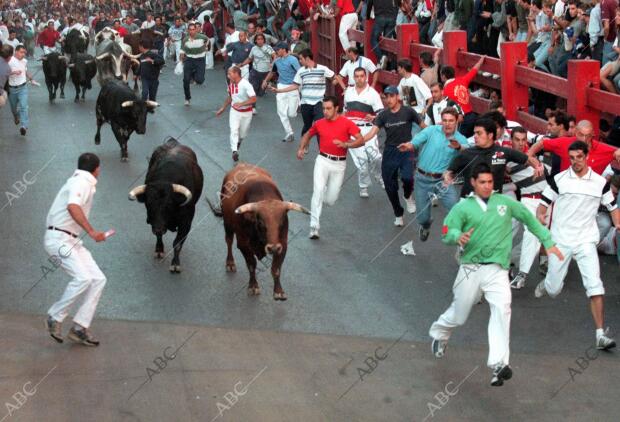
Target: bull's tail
216,211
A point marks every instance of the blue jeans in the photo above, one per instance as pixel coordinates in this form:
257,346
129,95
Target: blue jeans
193,68
149,89
425,189
609,54
393,163
18,98
542,54
385,26
521,35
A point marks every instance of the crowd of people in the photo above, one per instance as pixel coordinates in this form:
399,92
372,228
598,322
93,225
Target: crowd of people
490,174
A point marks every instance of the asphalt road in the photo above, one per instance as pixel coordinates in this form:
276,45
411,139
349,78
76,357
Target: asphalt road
353,281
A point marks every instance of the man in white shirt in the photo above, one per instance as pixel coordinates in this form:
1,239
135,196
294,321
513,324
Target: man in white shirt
362,103
4,31
355,61
577,194
12,40
148,23
241,97
18,89
413,90
66,220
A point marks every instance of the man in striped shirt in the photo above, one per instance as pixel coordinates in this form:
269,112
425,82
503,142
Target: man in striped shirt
193,53
310,80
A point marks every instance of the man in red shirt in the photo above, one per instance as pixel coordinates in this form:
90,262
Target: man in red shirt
334,132
48,38
348,20
599,157
122,32
457,89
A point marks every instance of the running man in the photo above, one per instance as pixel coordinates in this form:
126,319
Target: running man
482,225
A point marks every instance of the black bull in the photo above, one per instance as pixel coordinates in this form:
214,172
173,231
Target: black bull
171,189
124,110
55,71
82,70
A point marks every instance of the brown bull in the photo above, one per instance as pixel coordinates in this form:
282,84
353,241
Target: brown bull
255,213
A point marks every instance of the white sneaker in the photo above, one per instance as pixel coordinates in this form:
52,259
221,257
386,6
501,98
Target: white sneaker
363,192
186,103
254,112
314,233
540,290
398,222
383,62
605,342
410,204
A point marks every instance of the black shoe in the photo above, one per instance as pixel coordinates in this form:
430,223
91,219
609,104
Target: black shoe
22,131
235,156
82,336
55,329
16,120
423,233
501,373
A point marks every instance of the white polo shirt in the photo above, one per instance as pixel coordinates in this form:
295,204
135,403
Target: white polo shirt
348,69
312,83
79,189
413,90
577,199
241,92
358,105
22,66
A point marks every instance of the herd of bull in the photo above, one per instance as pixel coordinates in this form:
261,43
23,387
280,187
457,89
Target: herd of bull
115,57
251,204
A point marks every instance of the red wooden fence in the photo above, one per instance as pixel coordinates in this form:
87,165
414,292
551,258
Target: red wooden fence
581,89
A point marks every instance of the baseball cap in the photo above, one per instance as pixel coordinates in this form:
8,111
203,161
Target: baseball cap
391,89
281,45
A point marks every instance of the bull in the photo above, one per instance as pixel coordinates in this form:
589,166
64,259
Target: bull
55,71
171,189
76,42
111,59
106,34
82,70
256,215
124,110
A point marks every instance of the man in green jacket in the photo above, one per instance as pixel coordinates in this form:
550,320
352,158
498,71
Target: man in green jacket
481,225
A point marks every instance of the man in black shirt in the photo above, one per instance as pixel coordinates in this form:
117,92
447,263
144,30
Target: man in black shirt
397,121
150,66
487,151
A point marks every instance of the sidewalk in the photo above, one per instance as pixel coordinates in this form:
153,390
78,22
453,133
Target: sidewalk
164,372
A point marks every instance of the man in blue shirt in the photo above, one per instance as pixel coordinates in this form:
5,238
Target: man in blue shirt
286,66
437,145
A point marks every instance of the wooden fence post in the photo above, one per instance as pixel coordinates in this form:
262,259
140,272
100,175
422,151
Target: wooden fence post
514,95
581,75
453,42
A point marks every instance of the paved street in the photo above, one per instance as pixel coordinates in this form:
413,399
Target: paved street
349,293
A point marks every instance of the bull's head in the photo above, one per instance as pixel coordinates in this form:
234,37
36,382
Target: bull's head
138,110
271,222
79,68
161,201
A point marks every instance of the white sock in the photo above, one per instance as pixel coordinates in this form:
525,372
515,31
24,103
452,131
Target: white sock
599,332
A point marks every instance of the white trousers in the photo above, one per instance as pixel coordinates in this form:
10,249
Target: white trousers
472,281
348,21
367,159
586,256
245,71
87,278
239,122
328,178
209,57
530,245
287,104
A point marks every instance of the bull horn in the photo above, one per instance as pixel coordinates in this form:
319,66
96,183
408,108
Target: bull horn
138,190
184,191
136,32
71,65
103,56
153,104
293,206
131,56
127,104
251,206
89,61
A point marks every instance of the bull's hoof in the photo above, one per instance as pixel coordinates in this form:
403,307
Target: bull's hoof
253,291
279,296
158,255
97,140
175,268
62,95
231,268
76,100
83,99
124,159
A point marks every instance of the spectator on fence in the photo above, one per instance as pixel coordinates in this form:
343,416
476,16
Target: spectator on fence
385,23
522,8
595,31
405,13
356,61
429,65
610,76
424,15
297,44
564,41
260,29
457,89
